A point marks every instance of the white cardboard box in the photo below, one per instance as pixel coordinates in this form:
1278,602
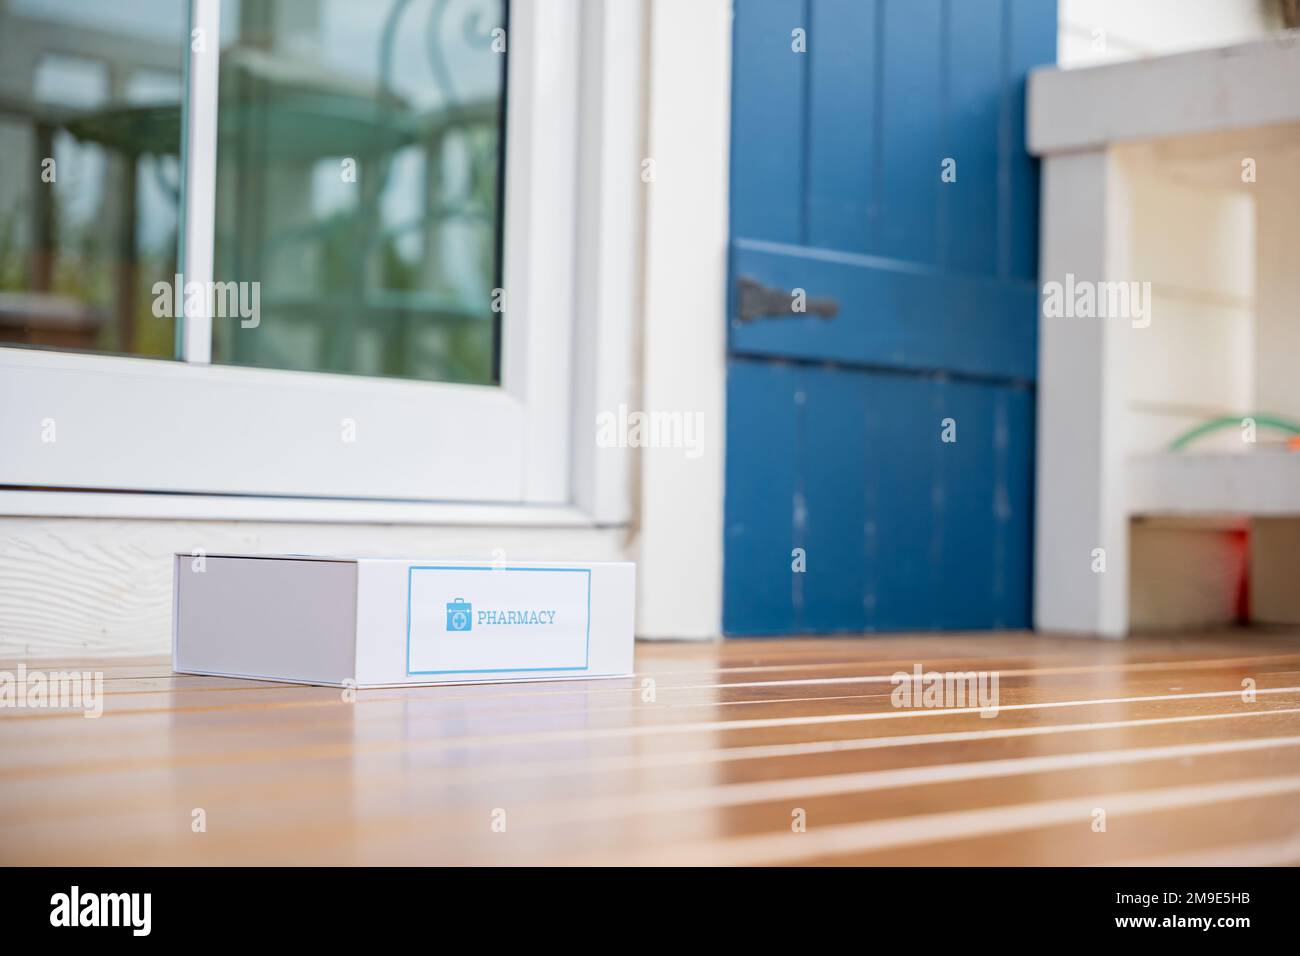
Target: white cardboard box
386,621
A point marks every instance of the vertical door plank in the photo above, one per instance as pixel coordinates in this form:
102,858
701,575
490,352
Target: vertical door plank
842,125
1015,464
963,484
762,450
973,101
1030,40
768,128
899,460
833,474
911,83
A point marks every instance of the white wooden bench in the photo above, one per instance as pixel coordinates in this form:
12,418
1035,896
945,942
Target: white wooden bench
1182,171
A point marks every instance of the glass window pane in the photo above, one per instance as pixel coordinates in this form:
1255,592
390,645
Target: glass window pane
90,107
359,183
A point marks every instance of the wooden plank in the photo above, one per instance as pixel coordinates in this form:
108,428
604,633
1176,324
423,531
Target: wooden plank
892,314
630,715
403,824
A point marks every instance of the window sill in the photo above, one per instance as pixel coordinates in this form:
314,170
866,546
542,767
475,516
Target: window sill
178,507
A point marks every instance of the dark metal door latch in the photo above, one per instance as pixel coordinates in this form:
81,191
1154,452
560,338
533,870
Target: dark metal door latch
757,301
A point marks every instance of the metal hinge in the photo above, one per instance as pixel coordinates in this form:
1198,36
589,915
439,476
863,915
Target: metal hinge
757,300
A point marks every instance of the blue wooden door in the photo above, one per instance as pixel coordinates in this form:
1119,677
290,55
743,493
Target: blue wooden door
880,458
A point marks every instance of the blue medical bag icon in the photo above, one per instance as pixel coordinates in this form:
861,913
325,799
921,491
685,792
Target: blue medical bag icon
460,615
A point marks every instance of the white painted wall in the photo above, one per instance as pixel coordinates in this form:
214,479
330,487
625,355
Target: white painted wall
91,587
680,586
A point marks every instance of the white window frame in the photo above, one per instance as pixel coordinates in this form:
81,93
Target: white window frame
234,439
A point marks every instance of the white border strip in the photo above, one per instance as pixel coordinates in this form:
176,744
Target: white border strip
857,838
600,733
868,781
688,758
976,663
